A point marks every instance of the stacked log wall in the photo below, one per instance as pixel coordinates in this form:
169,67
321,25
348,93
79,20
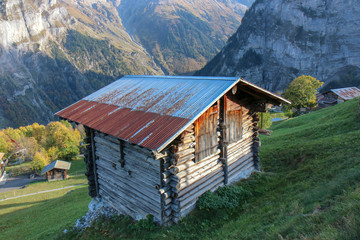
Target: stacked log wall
128,177
193,178
241,155
168,199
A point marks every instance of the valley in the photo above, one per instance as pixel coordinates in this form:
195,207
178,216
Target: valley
53,53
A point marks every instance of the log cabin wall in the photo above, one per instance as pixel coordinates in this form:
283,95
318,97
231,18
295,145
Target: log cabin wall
128,177
168,197
194,176
240,138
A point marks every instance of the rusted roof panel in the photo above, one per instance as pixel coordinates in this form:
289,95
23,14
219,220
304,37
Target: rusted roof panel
347,93
146,129
151,111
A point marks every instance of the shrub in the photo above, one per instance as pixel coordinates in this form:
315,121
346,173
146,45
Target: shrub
40,160
145,224
225,197
266,121
20,170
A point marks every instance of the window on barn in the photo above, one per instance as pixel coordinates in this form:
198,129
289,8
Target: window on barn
233,121
206,133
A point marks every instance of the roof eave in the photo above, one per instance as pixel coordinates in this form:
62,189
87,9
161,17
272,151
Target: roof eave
266,92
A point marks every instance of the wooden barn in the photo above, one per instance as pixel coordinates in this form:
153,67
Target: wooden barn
336,96
156,143
57,170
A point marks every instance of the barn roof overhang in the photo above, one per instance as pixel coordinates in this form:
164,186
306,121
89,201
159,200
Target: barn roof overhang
151,111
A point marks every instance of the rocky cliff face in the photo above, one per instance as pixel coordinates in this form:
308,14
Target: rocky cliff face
54,52
279,40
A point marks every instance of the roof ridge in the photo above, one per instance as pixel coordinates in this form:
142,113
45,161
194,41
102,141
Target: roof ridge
223,78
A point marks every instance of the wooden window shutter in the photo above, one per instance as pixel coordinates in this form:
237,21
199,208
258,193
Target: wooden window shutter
206,133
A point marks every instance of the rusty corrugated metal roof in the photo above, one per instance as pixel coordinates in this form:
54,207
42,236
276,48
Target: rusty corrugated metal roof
347,93
151,111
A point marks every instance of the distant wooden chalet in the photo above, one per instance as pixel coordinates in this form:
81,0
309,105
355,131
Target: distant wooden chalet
156,143
57,170
335,96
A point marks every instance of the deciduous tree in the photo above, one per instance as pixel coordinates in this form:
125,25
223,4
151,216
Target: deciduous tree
302,92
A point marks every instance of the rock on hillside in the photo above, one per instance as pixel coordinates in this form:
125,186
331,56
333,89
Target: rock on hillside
279,40
181,34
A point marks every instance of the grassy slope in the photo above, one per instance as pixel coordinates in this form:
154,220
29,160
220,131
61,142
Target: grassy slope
43,216
310,188
76,174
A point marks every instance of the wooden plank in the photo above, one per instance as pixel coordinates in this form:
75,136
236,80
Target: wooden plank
201,189
126,197
196,178
247,169
241,167
136,177
198,169
131,165
139,209
184,191
240,161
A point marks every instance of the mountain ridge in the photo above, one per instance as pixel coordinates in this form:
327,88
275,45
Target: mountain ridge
54,52
279,40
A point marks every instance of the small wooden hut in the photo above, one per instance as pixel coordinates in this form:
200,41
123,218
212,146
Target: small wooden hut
156,143
57,170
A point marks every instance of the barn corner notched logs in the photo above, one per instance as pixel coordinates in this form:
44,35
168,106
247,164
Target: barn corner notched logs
157,143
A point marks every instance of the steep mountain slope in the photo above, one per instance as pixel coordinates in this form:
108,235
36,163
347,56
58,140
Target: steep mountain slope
181,34
279,40
54,52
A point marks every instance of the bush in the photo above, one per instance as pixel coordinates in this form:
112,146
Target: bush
20,170
225,197
145,224
266,121
40,160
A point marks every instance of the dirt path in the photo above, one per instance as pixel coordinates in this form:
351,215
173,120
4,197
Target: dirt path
52,190
18,182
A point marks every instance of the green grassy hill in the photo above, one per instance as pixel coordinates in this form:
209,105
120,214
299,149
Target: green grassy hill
45,215
309,188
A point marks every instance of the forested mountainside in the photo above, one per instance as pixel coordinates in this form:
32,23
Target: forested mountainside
54,52
279,40
182,35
